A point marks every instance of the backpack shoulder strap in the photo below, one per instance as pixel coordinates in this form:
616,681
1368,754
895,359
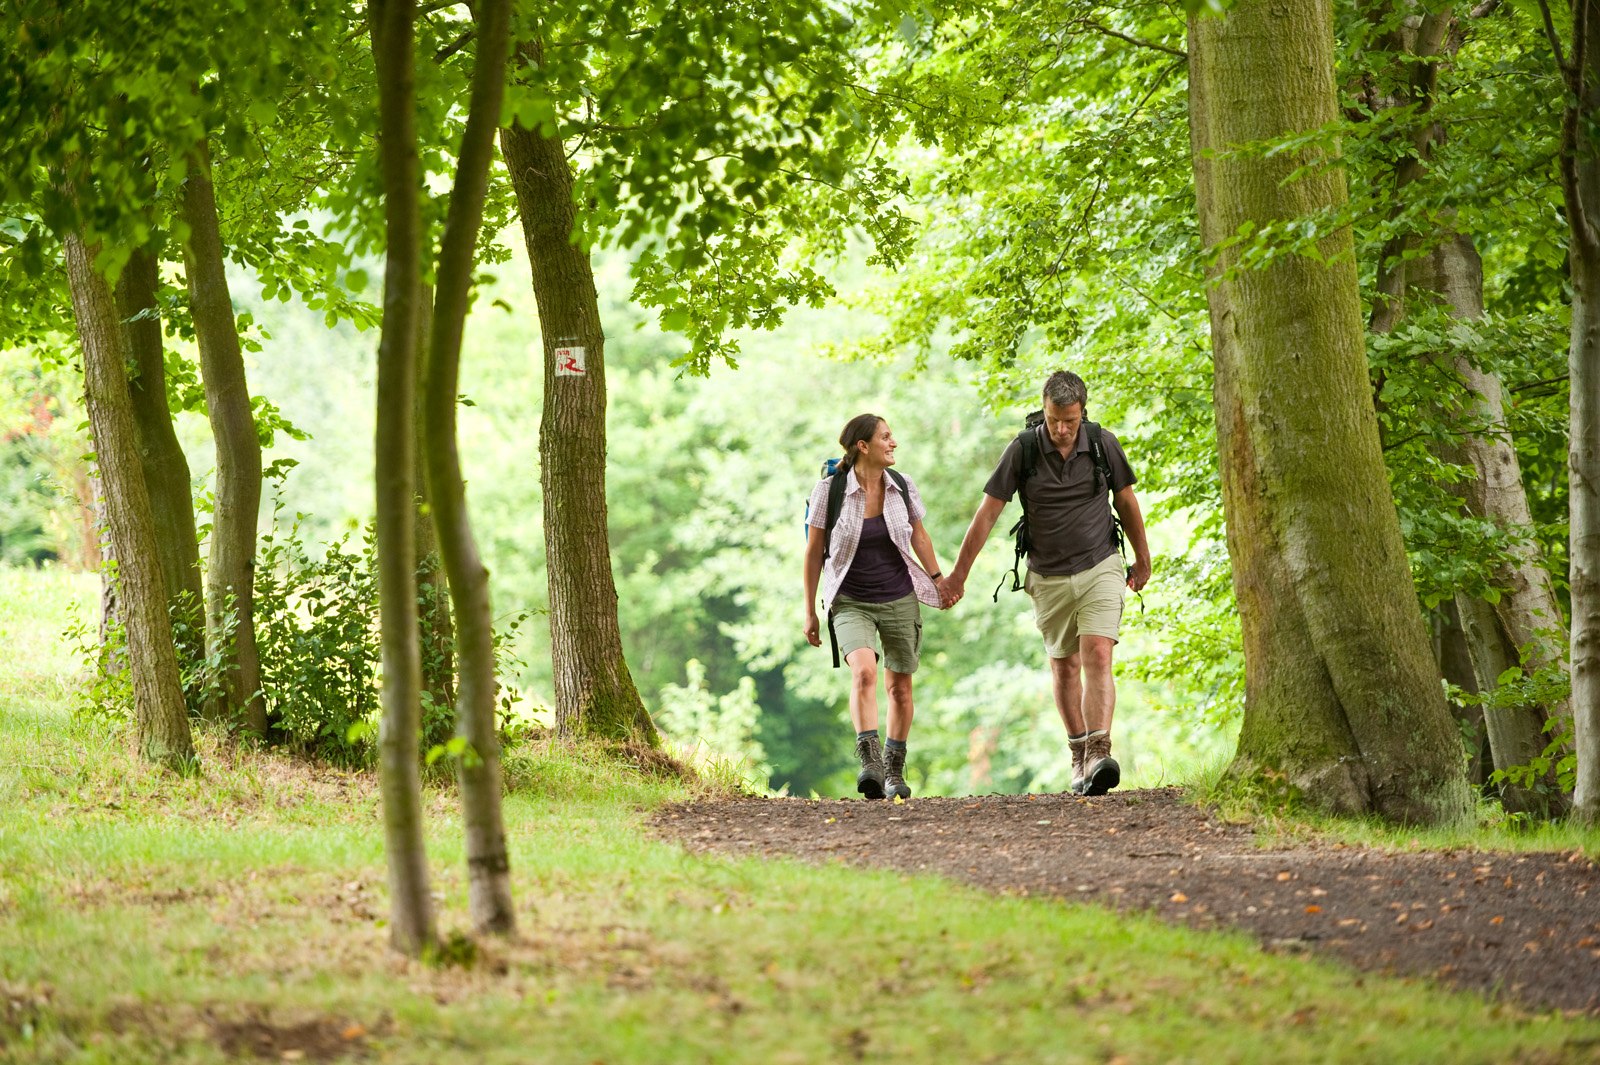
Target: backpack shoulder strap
1027,465
900,479
836,487
1097,451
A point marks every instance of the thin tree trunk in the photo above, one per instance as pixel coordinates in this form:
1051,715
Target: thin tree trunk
166,469
1342,665
161,722
1455,665
1580,186
411,921
231,560
433,598
595,693
478,772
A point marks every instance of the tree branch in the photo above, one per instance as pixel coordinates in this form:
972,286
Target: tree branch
1100,28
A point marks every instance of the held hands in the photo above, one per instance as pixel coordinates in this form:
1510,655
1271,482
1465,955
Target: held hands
1139,574
813,629
950,591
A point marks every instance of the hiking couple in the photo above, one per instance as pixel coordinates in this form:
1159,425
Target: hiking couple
867,546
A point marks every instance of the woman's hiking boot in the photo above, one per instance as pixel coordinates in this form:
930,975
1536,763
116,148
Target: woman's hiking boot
869,782
1079,745
894,774
1101,772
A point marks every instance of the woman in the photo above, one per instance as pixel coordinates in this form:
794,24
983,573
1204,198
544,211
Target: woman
871,588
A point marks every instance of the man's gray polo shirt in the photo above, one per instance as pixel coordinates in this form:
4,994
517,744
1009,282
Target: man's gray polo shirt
1069,522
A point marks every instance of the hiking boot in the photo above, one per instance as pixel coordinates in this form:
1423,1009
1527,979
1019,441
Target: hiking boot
1101,771
894,774
869,782
1080,756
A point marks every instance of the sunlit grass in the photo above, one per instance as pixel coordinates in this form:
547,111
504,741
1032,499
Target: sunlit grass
146,917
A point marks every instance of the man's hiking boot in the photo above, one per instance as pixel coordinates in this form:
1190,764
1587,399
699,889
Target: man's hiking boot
894,774
869,782
1101,772
1080,756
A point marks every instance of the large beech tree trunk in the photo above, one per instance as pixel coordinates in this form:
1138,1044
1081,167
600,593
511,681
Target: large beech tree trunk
166,469
232,555
1342,695
411,920
478,771
1580,186
595,693
161,722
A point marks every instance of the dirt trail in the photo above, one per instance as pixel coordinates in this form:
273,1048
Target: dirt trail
1522,927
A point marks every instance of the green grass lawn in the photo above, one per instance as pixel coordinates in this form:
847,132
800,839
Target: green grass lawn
150,918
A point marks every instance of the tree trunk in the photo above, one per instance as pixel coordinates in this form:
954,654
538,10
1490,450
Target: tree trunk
595,693
1455,665
1527,615
231,560
166,470
478,770
1342,695
433,594
411,921
1580,187
161,722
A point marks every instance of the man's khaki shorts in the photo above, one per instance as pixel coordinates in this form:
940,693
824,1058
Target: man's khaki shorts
898,623
1079,604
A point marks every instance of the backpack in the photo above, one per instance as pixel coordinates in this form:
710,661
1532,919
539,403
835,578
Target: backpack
836,486
1028,445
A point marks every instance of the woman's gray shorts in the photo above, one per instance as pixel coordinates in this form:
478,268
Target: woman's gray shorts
898,623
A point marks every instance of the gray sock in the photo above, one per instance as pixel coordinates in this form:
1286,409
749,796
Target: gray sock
894,745
863,735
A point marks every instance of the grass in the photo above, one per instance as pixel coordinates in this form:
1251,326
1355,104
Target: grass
1281,818
150,918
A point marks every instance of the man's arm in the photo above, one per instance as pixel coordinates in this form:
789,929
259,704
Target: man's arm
1132,517
977,535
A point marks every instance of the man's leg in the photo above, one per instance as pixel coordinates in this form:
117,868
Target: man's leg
1101,772
1099,690
1067,683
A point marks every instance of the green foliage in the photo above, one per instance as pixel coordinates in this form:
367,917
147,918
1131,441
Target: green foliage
715,726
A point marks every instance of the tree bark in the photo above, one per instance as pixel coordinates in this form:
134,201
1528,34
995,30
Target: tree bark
595,693
478,771
433,598
1580,187
411,920
166,469
1342,695
1455,665
161,722
1527,614
232,554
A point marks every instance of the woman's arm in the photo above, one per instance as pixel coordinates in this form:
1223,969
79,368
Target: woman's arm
813,571
922,547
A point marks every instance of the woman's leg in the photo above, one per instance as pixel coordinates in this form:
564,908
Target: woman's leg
900,709
863,663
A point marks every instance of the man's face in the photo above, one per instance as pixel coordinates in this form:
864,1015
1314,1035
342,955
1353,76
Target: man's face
1062,422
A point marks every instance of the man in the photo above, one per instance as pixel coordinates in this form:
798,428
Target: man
1075,574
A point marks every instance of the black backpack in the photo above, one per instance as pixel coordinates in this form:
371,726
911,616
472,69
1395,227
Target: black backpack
835,476
1028,445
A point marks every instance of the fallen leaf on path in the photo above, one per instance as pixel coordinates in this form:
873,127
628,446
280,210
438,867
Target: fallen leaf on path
1313,909
1178,896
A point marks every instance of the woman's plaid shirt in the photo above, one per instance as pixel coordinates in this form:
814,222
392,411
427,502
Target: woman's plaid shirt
899,512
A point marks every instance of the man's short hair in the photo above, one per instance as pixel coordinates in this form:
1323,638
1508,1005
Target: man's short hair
1064,388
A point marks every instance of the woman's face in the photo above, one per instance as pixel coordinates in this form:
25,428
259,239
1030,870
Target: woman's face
880,449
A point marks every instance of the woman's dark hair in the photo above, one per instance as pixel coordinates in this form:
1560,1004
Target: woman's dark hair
863,427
